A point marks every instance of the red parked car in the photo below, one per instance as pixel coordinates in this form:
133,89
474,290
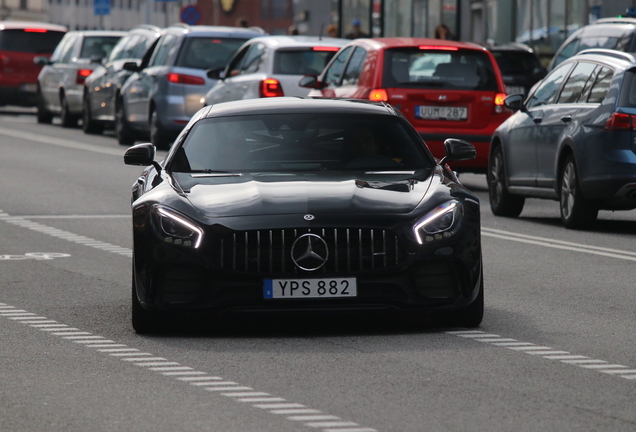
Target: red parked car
446,89
20,43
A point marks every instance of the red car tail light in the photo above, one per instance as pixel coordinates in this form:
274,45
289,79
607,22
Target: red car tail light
499,102
35,30
82,74
177,78
379,95
438,47
620,121
270,87
323,48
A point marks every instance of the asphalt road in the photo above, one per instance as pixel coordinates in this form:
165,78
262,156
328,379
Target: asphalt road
556,350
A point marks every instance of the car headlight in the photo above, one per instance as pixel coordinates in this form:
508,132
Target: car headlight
438,224
178,230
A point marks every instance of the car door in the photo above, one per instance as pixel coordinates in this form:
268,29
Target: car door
141,85
521,157
560,118
50,78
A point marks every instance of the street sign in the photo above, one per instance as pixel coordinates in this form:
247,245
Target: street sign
101,7
191,15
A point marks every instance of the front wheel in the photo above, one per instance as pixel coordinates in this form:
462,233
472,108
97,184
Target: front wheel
43,115
144,321
576,211
158,135
89,125
123,131
68,119
502,203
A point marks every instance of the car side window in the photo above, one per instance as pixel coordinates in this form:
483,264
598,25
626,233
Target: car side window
576,83
548,90
234,66
354,68
61,48
66,55
334,73
160,57
601,85
252,59
568,51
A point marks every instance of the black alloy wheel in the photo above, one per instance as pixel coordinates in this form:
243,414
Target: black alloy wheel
576,211
502,203
43,115
158,135
88,124
123,132
68,120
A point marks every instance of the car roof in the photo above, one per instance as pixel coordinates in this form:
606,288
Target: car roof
216,31
13,25
405,42
511,47
611,57
285,41
294,105
99,32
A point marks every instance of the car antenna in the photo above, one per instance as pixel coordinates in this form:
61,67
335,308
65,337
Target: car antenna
322,26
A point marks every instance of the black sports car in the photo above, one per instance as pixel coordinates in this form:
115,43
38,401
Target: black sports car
290,204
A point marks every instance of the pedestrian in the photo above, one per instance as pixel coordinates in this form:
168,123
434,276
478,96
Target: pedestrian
332,31
292,30
443,32
356,32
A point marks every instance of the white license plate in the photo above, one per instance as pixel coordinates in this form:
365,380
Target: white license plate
515,90
30,87
442,112
309,288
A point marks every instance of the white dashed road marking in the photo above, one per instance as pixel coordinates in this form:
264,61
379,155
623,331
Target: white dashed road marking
548,353
296,412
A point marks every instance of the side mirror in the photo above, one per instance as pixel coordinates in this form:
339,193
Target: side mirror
310,81
140,154
217,74
42,61
458,150
514,102
131,66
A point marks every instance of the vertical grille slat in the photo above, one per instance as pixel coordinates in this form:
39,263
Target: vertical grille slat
269,251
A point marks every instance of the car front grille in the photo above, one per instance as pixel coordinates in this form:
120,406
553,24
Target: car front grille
269,251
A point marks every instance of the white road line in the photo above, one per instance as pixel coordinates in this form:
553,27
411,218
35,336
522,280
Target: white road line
60,142
558,244
549,353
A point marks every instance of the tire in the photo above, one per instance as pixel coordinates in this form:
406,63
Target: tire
502,203
68,120
43,116
473,315
88,124
158,135
144,321
576,211
125,135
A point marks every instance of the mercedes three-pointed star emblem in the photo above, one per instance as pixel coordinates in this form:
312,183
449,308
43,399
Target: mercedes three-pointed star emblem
309,252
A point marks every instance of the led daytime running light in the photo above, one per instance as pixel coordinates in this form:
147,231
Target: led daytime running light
185,223
435,214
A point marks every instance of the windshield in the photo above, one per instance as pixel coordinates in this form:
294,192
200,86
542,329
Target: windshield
301,142
98,46
441,69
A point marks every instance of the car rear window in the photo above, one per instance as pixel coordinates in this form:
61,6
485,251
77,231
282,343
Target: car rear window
207,52
98,46
301,62
516,62
447,69
36,40
628,90
301,142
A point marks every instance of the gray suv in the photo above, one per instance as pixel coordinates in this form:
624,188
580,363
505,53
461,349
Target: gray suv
571,140
160,98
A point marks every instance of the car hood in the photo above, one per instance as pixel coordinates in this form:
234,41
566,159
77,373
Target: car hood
279,194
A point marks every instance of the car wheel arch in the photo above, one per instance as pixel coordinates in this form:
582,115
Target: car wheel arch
565,151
